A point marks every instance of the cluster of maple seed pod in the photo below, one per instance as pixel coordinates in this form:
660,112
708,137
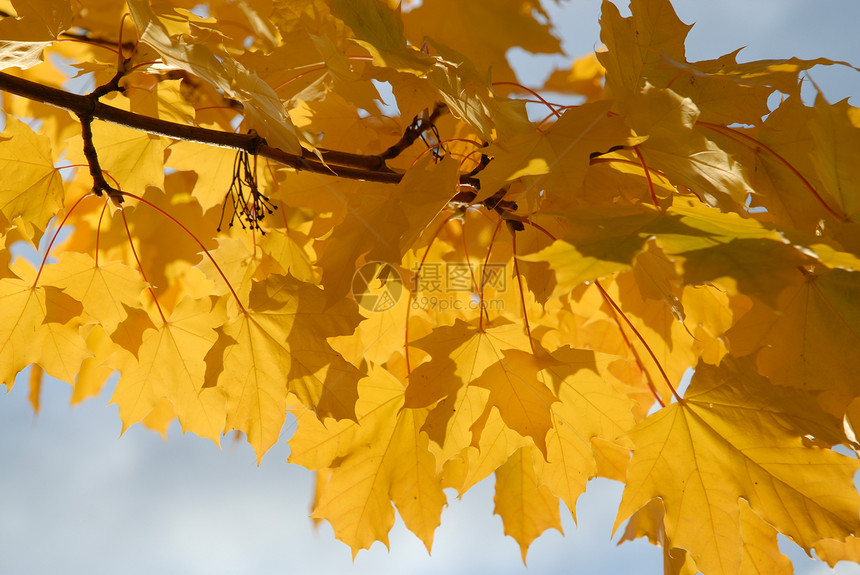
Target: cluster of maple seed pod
558,276
251,209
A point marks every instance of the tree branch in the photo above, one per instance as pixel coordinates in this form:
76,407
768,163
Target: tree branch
100,185
419,125
370,168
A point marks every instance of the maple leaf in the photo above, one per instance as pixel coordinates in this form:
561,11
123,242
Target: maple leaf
527,508
590,410
214,170
23,314
379,29
639,44
253,359
783,174
32,187
59,346
276,345
735,436
524,402
319,375
25,37
379,459
129,156
452,24
460,354
171,366
833,129
794,345
680,149
105,290
561,154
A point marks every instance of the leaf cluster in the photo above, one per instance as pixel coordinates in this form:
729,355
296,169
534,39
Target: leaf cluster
460,289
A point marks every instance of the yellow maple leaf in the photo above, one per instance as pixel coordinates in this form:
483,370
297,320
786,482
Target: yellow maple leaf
590,408
833,131
171,366
31,186
380,459
527,508
290,249
761,550
23,309
638,45
252,359
524,401
560,155
214,169
23,38
773,167
105,289
459,355
319,376
761,554
682,150
106,358
379,29
493,443
59,347
275,345
809,339
240,262
504,24
736,437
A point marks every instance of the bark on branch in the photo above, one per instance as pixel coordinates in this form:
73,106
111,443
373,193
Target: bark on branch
100,185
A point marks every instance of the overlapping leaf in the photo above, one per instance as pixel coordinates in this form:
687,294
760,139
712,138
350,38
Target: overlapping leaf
379,459
170,366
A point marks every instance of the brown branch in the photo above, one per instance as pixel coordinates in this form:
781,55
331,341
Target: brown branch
335,163
414,131
100,185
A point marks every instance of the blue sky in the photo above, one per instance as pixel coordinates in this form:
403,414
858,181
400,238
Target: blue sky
76,498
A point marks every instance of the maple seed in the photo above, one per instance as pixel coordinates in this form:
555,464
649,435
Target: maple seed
249,204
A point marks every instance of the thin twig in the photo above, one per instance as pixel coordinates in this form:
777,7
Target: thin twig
419,125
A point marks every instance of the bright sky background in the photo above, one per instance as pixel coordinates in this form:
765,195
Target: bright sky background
75,498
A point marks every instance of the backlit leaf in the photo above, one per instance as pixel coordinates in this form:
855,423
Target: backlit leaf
723,444
31,187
